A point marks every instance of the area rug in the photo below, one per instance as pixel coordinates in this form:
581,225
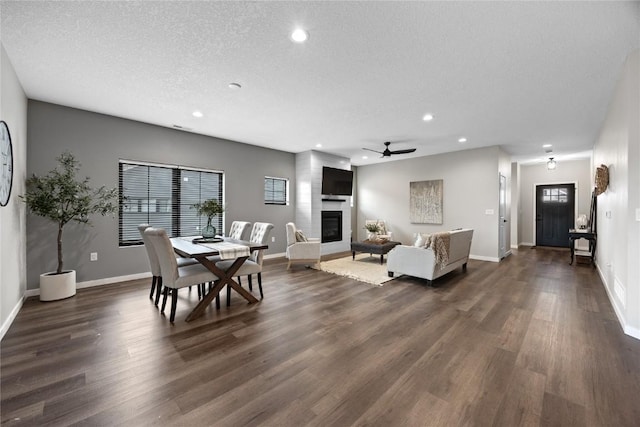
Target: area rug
364,268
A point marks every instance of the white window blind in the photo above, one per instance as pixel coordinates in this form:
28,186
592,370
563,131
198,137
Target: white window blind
276,191
163,196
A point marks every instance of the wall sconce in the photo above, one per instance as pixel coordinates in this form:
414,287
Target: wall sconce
551,164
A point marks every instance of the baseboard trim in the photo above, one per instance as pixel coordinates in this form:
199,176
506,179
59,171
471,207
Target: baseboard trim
271,256
527,244
110,280
12,316
628,330
97,282
515,246
632,332
484,258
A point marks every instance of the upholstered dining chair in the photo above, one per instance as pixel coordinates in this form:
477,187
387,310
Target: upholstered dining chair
154,264
238,229
259,234
173,276
300,248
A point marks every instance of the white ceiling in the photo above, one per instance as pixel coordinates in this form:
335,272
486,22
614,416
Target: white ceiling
514,74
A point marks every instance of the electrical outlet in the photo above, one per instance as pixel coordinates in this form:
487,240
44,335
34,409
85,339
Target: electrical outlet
94,256
488,212
273,239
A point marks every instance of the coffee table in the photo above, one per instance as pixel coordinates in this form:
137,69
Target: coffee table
373,248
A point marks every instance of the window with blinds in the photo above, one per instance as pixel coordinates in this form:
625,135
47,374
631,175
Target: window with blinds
163,196
276,191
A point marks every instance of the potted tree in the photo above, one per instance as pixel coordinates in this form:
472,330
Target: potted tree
61,197
209,208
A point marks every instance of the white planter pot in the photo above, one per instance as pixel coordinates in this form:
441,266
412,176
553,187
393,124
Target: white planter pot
57,286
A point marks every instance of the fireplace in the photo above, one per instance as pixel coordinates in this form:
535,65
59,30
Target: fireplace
331,226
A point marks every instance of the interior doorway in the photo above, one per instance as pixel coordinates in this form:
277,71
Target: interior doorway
502,207
555,211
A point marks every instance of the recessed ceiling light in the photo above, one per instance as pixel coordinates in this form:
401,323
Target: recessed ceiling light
462,140
365,157
427,117
234,86
547,146
318,145
299,35
197,114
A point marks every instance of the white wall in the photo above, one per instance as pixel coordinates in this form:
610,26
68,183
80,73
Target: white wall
618,254
471,186
13,276
573,171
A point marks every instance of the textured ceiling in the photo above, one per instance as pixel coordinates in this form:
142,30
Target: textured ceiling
514,74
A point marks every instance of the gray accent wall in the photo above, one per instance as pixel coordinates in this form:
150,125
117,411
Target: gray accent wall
13,265
471,190
99,142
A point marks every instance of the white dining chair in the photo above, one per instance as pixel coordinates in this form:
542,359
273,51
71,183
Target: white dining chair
173,276
253,265
154,265
239,229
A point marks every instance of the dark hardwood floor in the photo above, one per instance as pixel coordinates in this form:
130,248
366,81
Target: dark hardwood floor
529,341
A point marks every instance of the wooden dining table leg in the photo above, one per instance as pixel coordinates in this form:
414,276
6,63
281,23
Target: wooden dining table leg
224,278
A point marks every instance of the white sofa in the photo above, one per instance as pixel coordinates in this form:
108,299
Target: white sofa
421,262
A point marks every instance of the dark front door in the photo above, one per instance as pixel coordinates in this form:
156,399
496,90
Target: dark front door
554,214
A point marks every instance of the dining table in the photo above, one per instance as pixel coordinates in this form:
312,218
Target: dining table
225,248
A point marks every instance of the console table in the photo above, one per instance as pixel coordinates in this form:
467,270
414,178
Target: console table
583,234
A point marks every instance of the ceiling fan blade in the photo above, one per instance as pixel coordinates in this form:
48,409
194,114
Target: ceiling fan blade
369,149
409,150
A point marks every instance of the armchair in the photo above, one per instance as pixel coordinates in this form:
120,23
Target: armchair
301,251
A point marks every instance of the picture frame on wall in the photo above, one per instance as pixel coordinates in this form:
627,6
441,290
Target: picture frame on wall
425,201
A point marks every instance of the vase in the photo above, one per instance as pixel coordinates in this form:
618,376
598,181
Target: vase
208,231
373,236
54,286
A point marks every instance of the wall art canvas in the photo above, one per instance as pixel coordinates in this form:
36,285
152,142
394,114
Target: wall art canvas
425,199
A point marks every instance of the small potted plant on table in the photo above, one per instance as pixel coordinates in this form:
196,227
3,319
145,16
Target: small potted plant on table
373,229
62,198
209,208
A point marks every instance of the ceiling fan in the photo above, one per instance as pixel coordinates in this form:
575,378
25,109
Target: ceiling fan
388,153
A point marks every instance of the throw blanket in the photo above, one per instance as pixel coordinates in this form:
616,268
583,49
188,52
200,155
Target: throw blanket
439,244
228,250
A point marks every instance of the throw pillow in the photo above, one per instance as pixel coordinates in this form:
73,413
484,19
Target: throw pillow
382,229
419,242
300,237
